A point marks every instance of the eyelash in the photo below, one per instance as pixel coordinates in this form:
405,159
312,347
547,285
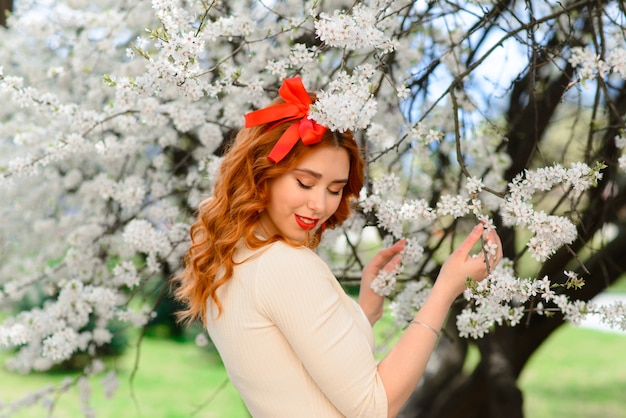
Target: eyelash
304,186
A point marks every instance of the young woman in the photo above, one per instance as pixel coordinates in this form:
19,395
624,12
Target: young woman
293,343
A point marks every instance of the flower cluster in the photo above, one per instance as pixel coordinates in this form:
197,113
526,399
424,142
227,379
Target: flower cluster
590,65
425,136
300,56
391,212
58,328
409,300
503,298
384,283
550,232
355,31
347,103
141,236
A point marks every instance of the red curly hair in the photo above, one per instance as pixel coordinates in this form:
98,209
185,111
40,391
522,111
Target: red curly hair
241,193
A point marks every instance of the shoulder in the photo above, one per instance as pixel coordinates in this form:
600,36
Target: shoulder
280,253
279,260
291,280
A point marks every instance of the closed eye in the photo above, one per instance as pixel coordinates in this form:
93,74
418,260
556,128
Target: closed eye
304,186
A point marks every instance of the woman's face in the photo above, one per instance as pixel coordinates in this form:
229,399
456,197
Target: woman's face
302,199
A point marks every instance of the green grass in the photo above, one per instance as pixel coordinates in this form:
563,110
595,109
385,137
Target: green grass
173,380
577,373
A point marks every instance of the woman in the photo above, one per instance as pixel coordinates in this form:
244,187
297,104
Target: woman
293,343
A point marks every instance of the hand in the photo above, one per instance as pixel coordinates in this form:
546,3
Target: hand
461,265
386,259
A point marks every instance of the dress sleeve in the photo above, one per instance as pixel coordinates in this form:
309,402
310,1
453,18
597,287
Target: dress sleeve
295,291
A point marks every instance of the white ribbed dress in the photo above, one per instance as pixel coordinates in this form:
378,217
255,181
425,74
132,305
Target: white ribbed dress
293,342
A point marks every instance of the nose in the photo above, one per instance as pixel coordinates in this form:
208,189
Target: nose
317,202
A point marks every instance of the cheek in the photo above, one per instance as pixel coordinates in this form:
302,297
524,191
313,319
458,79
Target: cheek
281,193
336,201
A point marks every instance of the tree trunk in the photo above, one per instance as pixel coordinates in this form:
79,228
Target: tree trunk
6,6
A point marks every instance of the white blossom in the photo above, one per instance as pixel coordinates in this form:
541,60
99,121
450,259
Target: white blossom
474,185
97,366
355,31
413,251
415,210
61,345
110,382
201,340
125,274
347,102
136,318
384,283
456,206
589,63
379,136
409,300
143,237
550,231
614,315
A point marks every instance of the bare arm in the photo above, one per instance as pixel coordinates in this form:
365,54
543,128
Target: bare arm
403,367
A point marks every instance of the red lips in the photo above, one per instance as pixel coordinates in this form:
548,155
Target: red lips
307,226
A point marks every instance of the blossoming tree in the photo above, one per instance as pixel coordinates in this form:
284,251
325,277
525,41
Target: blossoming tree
116,114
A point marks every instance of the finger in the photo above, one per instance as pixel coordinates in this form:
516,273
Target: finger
398,245
386,259
494,239
498,242
392,264
473,237
491,259
493,236
387,254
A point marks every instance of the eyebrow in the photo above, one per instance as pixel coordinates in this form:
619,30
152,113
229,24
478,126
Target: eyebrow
318,175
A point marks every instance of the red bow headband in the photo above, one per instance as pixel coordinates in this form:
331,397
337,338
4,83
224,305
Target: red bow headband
296,107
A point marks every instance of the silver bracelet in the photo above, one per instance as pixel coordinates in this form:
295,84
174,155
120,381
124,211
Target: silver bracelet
425,326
